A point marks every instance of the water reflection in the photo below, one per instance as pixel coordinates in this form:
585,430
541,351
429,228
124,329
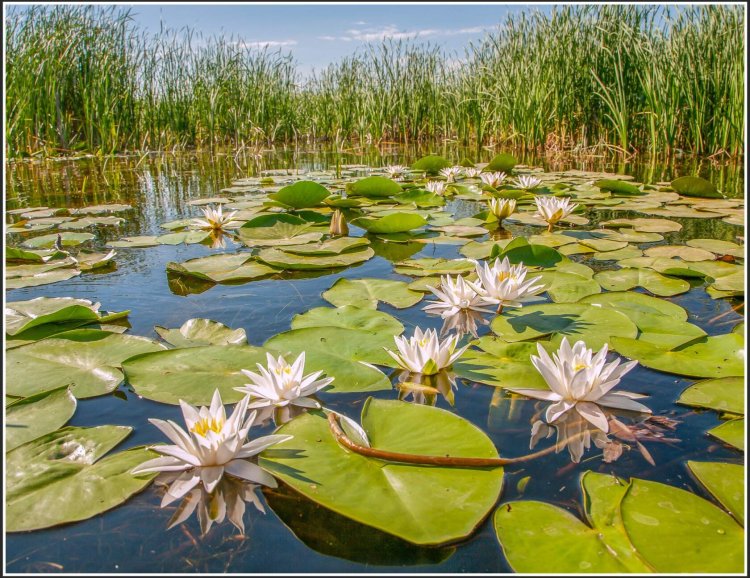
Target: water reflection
425,389
576,433
226,502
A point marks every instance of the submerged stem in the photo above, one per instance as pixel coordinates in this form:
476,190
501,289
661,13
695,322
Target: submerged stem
454,461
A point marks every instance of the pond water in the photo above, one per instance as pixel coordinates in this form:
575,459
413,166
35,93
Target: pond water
295,534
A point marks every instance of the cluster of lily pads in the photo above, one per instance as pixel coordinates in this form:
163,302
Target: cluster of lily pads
545,351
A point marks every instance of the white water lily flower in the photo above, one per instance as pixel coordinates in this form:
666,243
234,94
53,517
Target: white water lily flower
212,446
552,209
454,296
502,208
505,285
527,182
450,173
283,384
215,219
579,379
424,352
396,171
437,187
494,180
472,172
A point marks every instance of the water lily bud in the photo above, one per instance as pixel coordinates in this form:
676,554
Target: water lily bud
338,227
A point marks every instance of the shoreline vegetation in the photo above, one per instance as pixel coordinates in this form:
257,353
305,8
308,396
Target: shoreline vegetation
83,79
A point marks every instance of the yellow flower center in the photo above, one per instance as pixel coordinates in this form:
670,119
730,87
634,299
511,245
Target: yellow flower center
503,275
580,365
205,425
286,369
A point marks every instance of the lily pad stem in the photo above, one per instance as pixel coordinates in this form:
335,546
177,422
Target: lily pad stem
452,461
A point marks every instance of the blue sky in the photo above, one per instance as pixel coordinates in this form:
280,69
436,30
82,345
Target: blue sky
319,34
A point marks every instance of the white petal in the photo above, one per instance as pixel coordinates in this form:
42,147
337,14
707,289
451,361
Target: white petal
251,472
594,414
211,476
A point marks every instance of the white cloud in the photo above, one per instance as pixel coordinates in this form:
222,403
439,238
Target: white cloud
392,31
267,43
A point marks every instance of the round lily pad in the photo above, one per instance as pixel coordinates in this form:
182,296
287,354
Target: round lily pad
365,293
374,187
198,331
403,507
722,394
726,482
677,531
301,195
86,360
349,317
344,354
576,321
71,481
193,374
696,187
37,415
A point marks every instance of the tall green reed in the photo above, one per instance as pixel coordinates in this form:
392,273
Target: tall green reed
83,78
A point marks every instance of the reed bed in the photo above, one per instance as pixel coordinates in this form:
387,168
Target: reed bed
85,78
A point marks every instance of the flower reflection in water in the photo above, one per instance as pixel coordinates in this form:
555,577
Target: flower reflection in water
425,389
463,322
226,502
218,239
576,433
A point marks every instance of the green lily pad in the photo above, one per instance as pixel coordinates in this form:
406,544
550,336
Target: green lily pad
19,255
344,354
135,242
277,230
329,247
628,278
713,356
349,317
392,223
33,275
722,394
677,531
618,187
716,246
429,267
192,374
87,360
625,253
502,162
659,321
566,287
576,321
98,209
61,477
92,221
645,225
365,293
500,364
726,482
679,251
35,416
539,537
481,249
47,241
23,315
301,195
89,260
291,261
187,237
431,164
519,250
419,199
222,268
628,235
198,331
374,187
403,507
731,432
696,187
